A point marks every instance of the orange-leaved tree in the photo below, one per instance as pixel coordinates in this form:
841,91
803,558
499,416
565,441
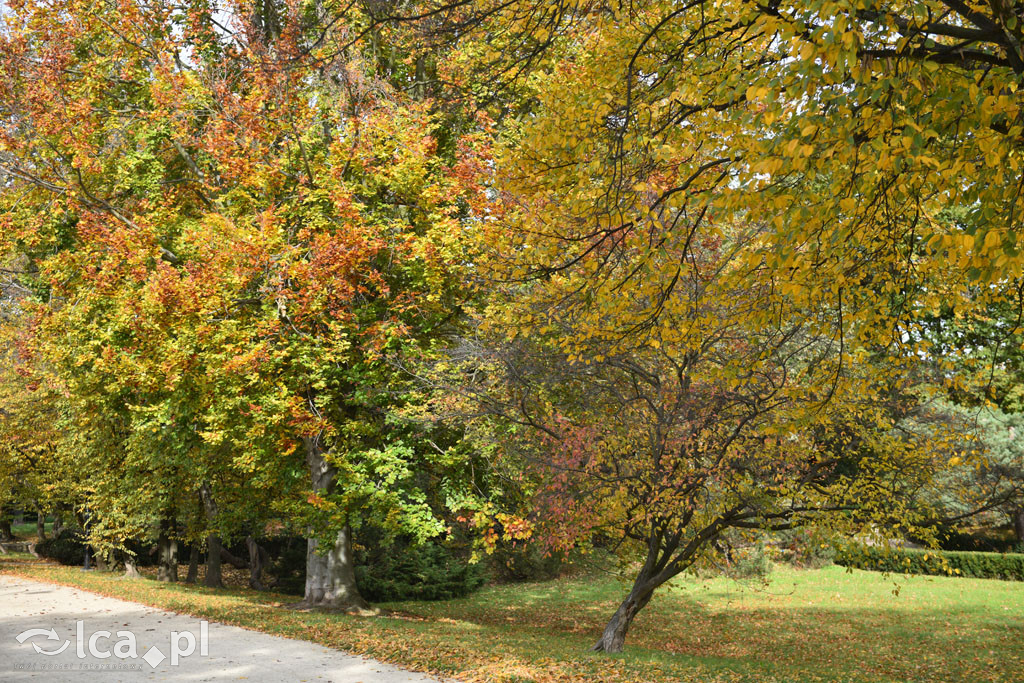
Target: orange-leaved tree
234,216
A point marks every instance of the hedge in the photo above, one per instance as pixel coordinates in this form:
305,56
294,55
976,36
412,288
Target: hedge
1008,567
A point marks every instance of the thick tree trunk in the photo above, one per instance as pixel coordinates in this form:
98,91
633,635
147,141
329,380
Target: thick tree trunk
131,571
1018,523
168,548
6,533
255,564
58,525
614,635
40,525
330,577
193,564
213,577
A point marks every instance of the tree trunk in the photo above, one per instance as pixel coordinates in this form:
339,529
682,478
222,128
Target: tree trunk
6,533
421,77
193,564
131,571
255,564
213,578
41,526
213,546
168,548
652,574
614,636
58,524
100,558
330,577
1018,523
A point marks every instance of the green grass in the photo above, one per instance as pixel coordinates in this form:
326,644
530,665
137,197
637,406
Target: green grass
820,625
27,530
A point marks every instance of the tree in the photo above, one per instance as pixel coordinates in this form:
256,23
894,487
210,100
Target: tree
980,354
30,467
987,479
706,424
234,226
844,131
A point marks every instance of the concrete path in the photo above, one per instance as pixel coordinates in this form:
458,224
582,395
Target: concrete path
162,644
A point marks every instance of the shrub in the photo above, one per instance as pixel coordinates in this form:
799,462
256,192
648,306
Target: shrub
386,570
1008,567
67,547
751,562
402,570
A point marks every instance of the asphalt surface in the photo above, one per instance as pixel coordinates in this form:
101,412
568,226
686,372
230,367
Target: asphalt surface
48,618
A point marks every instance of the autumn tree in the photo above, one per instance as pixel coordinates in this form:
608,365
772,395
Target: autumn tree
29,466
655,132
668,441
237,219
877,144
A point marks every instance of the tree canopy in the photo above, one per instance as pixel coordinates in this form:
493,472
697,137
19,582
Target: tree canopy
673,269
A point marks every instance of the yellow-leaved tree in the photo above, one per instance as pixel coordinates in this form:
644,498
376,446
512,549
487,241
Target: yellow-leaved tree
722,227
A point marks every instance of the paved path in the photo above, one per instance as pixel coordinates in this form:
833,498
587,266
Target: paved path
231,654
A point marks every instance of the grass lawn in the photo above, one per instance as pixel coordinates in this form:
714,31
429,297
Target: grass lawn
820,625
27,530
